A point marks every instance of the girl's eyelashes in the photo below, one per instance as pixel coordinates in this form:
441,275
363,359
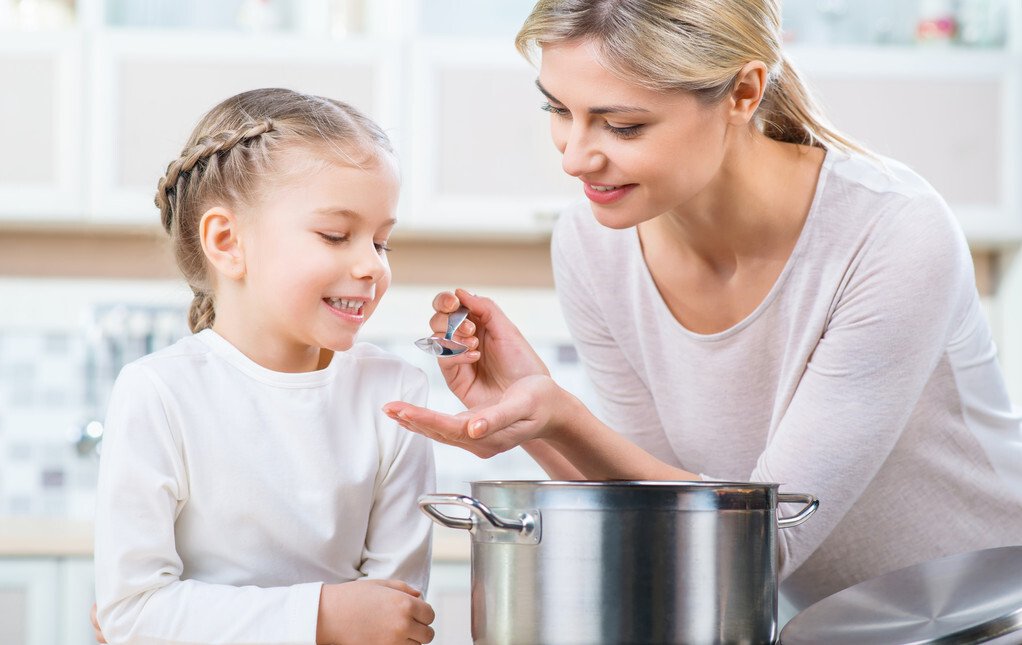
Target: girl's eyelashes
622,132
329,238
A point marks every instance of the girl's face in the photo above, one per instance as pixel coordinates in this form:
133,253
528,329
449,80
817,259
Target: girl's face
639,153
315,251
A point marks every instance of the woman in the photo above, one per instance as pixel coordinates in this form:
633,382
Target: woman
754,298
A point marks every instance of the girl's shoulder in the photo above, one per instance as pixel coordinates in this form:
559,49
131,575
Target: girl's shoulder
371,361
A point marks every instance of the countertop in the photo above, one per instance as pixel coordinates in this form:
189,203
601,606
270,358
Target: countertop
59,537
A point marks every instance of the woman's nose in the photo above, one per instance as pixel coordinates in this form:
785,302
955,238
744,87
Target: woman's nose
578,154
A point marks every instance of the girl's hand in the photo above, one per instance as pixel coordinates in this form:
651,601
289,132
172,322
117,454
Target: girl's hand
499,355
95,625
388,612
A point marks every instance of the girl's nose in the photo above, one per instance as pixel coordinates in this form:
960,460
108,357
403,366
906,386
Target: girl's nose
370,264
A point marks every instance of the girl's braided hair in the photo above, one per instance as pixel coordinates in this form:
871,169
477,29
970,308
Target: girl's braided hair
231,154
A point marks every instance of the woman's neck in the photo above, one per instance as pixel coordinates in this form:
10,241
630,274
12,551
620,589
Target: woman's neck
758,201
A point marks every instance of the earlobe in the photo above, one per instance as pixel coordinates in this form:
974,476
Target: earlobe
218,232
747,94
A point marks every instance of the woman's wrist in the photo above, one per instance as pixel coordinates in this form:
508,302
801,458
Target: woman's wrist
565,410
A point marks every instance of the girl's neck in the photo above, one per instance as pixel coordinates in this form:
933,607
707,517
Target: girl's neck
267,351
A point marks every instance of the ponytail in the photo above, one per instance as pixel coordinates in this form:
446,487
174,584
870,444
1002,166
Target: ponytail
789,113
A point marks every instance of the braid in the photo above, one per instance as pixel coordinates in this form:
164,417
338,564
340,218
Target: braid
224,141
202,313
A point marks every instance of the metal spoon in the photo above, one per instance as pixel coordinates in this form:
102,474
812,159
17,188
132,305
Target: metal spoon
445,346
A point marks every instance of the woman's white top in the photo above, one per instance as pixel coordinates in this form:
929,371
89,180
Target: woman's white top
228,493
867,376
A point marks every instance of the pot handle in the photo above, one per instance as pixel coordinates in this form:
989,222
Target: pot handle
793,498
525,529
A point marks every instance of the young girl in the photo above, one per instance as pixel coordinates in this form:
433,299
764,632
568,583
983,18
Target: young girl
249,480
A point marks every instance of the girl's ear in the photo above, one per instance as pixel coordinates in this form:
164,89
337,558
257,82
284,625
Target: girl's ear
750,85
218,232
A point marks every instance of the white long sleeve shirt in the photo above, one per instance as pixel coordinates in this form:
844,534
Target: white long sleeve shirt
867,376
229,493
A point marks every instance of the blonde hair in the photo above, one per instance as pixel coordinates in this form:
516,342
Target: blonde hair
698,46
230,156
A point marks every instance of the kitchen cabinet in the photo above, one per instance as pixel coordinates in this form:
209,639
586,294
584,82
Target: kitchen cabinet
28,589
148,88
41,168
107,104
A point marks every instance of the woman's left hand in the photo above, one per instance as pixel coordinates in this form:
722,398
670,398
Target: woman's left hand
525,411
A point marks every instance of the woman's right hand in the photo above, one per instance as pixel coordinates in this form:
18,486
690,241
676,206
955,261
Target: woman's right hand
499,356
388,612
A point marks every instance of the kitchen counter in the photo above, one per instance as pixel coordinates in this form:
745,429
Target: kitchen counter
58,537
45,537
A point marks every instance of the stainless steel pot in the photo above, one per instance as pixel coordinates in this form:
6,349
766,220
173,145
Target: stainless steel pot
588,563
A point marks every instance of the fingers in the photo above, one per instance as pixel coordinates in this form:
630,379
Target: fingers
423,613
438,323
97,632
421,633
445,425
445,302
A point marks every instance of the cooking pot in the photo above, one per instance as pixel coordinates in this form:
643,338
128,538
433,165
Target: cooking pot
589,563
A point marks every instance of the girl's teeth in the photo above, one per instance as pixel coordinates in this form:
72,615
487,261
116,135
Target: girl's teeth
350,306
603,189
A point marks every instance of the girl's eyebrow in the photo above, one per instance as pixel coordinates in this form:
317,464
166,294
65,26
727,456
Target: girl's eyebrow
603,109
347,213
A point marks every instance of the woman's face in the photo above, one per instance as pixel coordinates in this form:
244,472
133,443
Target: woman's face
639,153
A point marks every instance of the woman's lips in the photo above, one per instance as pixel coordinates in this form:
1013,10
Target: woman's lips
607,196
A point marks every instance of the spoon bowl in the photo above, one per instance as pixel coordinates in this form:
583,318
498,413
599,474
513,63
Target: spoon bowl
443,346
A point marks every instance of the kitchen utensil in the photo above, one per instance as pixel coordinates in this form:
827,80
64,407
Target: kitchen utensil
973,597
562,563
445,346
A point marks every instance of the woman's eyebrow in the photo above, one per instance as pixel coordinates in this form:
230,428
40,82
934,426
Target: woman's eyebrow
603,109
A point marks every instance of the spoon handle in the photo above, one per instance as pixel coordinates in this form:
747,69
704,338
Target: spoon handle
454,321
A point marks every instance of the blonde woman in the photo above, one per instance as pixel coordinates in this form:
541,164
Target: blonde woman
250,489
753,296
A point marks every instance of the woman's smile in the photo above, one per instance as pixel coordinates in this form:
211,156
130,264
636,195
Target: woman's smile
607,194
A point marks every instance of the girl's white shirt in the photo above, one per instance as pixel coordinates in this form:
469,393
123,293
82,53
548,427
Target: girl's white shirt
228,493
867,376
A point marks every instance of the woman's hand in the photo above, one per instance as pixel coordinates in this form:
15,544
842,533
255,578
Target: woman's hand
499,355
527,409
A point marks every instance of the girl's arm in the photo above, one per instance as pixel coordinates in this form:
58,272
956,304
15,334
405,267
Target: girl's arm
397,543
140,592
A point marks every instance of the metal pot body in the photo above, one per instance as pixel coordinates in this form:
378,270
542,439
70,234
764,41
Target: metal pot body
586,563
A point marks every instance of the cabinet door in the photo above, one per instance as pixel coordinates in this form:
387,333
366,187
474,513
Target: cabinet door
482,155
952,116
151,88
41,168
28,601
77,594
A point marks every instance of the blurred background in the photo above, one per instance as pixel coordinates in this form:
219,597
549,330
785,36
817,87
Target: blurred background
97,96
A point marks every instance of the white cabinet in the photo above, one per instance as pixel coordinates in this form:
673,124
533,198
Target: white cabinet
482,157
953,115
444,79
46,601
28,598
41,169
149,88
